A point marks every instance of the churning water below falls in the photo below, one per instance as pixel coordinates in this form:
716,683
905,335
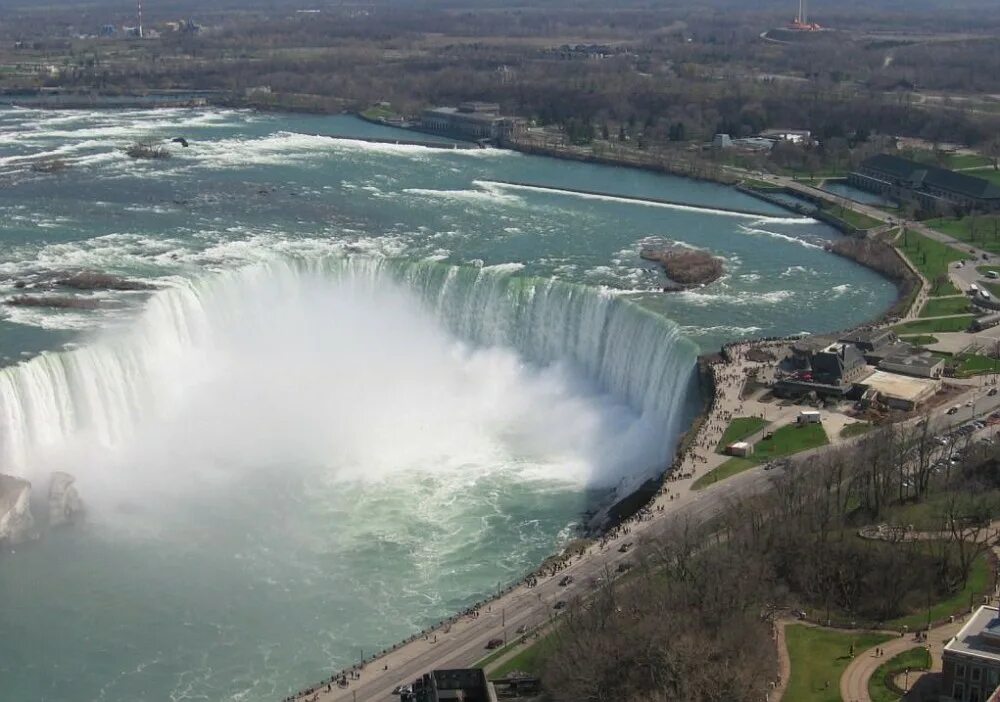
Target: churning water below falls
372,383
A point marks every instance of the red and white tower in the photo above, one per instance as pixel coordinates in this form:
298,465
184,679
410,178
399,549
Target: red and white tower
139,11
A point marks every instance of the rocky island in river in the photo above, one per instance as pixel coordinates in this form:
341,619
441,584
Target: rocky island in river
685,267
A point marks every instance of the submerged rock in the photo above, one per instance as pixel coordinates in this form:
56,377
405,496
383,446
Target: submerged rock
65,505
685,267
16,523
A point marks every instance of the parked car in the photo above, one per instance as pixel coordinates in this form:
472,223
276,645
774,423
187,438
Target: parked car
992,392
567,579
494,643
561,604
953,410
625,547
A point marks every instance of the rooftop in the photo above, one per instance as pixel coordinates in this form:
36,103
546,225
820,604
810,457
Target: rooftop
919,360
869,336
901,387
926,174
980,637
455,113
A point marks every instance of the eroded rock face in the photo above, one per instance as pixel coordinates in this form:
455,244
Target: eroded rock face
65,505
16,523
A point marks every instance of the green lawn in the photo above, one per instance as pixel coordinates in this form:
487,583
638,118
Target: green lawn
739,429
785,441
982,231
987,174
728,469
855,219
918,658
920,339
819,657
943,306
932,326
946,160
855,429
931,258
975,364
978,585
530,659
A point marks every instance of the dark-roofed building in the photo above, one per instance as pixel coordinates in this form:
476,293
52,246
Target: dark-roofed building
922,365
873,343
830,371
931,186
971,660
465,684
474,121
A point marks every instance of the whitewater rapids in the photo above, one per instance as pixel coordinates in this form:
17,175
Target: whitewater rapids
361,368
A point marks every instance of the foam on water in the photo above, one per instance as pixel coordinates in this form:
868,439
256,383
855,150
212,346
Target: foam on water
102,396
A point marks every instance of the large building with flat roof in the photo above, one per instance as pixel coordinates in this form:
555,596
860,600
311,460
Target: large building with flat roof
934,188
971,660
466,684
473,121
900,391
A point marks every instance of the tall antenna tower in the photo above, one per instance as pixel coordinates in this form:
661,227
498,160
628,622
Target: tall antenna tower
139,11
803,17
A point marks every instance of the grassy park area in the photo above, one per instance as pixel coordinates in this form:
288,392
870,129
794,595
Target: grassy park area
785,441
855,219
918,658
982,231
931,258
529,659
934,326
970,364
819,657
739,429
855,429
977,586
944,306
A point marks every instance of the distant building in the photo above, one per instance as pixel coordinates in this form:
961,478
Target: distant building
474,121
754,144
794,136
809,417
933,188
828,371
722,141
922,365
838,364
971,660
873,343
741,449
466,684
899,391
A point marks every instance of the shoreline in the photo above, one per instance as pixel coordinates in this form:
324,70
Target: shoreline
671,487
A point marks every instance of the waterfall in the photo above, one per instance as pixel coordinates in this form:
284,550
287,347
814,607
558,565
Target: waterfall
107,387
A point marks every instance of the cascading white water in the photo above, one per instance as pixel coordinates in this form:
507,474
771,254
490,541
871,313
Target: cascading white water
189,336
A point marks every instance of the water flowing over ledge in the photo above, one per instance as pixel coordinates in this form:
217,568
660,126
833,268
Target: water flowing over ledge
108,387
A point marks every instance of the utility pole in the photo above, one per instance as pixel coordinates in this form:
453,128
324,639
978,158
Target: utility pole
139,14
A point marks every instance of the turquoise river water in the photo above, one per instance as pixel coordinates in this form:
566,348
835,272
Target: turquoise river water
371,384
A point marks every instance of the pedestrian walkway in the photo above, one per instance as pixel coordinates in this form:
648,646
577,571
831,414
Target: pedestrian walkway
854,681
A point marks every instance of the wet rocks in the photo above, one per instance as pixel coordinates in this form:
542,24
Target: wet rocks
65,505
16,522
